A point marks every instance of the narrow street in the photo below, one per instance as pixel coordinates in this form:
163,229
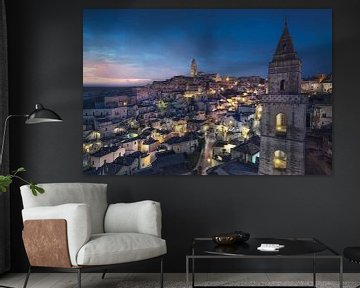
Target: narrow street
205,159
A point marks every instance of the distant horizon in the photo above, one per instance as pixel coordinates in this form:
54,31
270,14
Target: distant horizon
134,86
134,47
141,85
164,79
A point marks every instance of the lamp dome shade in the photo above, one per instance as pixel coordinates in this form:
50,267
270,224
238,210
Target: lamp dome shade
42,115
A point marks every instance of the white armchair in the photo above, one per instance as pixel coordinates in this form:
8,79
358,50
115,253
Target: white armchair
72,228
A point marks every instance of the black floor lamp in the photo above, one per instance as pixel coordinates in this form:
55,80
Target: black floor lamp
39,115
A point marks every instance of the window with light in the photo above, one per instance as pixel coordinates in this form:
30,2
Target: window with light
280,123
280,160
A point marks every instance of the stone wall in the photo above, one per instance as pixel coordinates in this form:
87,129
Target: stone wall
290,71
292,143
295,151
296,119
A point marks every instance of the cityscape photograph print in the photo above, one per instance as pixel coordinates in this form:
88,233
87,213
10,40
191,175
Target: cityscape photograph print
207,92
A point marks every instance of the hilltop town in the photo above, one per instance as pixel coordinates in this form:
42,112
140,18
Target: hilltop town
211,124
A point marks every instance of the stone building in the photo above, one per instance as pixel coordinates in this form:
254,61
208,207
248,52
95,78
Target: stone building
193,70
283,121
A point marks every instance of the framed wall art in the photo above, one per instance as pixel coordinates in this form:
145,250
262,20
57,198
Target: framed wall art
207,92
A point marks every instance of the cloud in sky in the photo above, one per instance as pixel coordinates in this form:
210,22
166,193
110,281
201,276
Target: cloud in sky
125,47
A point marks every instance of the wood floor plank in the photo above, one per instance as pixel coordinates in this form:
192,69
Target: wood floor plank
113,280
11,279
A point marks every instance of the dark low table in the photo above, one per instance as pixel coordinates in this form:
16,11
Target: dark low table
295,248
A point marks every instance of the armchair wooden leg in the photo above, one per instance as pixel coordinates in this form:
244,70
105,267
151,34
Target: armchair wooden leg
161,273
27,277
79,278
103,275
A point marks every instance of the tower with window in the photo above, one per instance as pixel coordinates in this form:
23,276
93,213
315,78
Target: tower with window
283,121
193,68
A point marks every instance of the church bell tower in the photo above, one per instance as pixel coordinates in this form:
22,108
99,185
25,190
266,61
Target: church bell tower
283,121
193,69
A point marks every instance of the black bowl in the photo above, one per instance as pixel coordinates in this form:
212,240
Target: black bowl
241,236
225,239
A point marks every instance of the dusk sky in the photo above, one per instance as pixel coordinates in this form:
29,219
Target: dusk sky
129,47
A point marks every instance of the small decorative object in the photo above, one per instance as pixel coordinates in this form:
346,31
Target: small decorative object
242,236
270,247
225,239
231,238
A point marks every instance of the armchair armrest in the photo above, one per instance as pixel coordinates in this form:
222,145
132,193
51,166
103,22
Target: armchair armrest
138,217
78,225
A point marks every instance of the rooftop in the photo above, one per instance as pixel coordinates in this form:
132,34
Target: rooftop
104,151
234,168
178,139
150,141
168,159
127,140
247,148
220,143
124,160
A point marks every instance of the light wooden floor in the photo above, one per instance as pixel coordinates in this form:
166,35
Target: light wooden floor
113,280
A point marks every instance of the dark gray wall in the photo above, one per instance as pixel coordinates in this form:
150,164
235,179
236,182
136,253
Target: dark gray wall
45,43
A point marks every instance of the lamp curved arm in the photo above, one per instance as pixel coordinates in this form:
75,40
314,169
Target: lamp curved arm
4,133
